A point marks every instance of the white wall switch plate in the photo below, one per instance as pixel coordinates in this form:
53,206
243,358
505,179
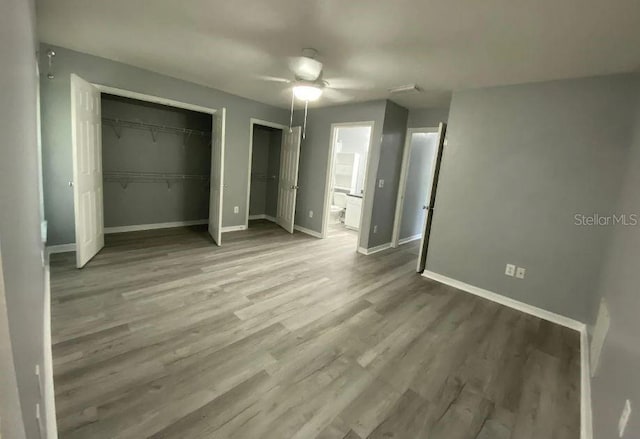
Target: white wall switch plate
624,418
236,209
510,270
520,272
375,229
311,214
381,183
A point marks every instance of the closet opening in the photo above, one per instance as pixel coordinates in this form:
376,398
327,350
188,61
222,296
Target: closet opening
273,175
156,164
142,162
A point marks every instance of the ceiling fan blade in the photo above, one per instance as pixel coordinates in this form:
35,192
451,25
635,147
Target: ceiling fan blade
305,68
335,95
274,79
349,84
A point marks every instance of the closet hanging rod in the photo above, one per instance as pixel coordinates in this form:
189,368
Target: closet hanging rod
122,123
152,176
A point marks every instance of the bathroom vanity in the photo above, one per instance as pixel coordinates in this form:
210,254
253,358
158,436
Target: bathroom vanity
353,212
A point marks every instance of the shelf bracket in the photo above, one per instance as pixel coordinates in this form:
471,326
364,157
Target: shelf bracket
185,137
117,129
154,134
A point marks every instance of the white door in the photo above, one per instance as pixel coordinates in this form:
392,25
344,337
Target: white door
217,176
288,182
87,169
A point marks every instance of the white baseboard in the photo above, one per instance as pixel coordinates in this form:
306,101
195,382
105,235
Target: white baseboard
139,227
586,420
586,425
507,301
409,239
262,216
60,248
372,250
234,228
308,231
48,398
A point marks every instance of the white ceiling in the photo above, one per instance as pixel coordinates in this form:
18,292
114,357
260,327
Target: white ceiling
441,45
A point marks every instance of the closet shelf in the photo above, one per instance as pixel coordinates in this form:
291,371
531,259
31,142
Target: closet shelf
124,178
118,124
263,177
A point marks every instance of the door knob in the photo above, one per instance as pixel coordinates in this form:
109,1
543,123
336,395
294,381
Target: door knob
425,207
294,187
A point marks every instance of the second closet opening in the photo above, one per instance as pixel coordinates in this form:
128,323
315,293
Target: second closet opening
265,171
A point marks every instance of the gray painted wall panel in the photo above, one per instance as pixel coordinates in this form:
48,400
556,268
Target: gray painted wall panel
57,129
20,238
618,377
520,162
422,154
427,117
314,156
389,168
173,153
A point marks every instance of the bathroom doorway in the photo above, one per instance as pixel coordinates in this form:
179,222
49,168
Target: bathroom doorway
346,179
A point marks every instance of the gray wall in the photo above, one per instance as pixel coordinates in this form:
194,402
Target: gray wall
20,238
427,117
417,189
618,377
314,156
389,168
135,151
57,129
265,169
520,162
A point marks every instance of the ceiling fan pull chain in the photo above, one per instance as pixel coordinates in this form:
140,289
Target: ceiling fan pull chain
293,96
304,128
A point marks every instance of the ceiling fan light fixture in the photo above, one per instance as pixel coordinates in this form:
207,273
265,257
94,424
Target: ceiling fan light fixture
307,93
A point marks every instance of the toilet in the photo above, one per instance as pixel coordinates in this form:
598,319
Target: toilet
338,207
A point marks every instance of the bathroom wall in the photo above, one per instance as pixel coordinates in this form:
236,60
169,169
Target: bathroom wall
356,140
265,169
136,151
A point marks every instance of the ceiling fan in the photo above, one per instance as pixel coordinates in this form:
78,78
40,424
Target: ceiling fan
307,83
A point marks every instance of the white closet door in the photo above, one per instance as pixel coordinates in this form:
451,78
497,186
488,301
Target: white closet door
288,182
217,177
87,169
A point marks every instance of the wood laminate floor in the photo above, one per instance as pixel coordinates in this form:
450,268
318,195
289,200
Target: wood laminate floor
273,335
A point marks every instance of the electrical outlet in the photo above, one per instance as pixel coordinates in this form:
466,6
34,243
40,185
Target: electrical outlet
510,270
236,209
624,418
381,183
520,272
375,228
311,214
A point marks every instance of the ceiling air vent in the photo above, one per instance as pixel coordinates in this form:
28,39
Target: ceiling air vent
409,88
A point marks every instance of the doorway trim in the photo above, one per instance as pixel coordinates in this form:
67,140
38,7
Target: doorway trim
329,175
402,187
252,123
151,98
176,104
